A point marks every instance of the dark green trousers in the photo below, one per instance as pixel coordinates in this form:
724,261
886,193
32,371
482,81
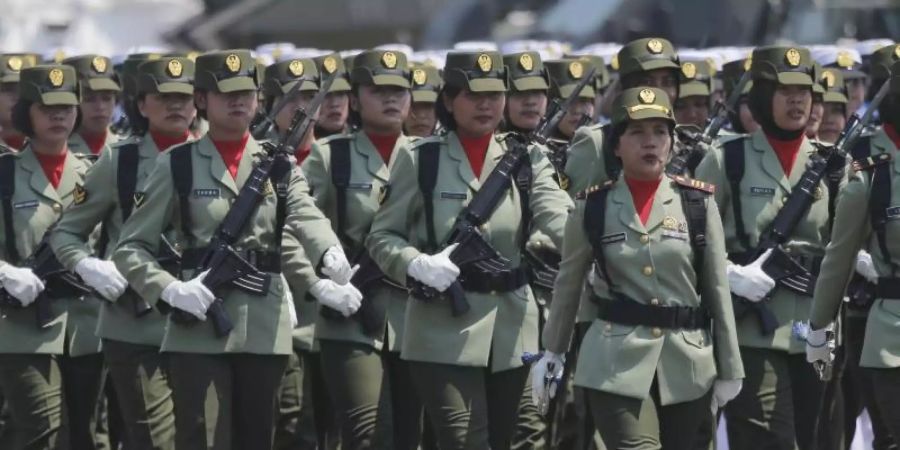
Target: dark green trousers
82,389
33,388
886,382
470,407
306,419
627,423
138,375
225,401
778,405
531,430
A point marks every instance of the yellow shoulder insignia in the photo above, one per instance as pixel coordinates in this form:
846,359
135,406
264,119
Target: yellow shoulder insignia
694,184
858,165
80,194
597,187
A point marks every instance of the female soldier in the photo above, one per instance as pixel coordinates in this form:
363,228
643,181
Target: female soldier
564,76
466,364
336,107
223,387
692,106
99,89
650,373
756,175
834,113
348,175
10,66
132,337
426,83
44,365
741,121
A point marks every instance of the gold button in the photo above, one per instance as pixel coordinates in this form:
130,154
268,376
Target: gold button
608,327
654,301
656,332
648,270
645,239
57,207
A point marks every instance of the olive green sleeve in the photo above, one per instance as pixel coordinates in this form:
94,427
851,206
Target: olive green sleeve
71,237
317,170
140,236
851,229
388,241
577,254
297,268
312,228
549,204
585,166
712,170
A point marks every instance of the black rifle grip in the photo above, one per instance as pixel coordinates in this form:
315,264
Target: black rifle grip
220,320
458,303
140,306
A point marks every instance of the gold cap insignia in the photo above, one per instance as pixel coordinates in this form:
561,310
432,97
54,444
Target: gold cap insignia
793,57
614,64
56,77
174,68
59,56
14,63
389,60
99,64
296,67
670,223
576,69
419,77
647,96
526,62
193,55
233,62
277,52
329,64
828,77
747,63
897,51
383,193
79,194
485,63
689,70
655,46
844,60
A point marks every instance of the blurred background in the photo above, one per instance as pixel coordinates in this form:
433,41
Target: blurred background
116,26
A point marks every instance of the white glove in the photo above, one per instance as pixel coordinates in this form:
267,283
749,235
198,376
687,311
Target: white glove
292,309
865,266
102,276
550,363
750,281
724,391
21,283
819,347
343,298
336,266
436,271
190,296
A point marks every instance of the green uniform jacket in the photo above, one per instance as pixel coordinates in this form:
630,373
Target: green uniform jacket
499,327
71,244
36,207
853,231
764,189
262,325
650,264
369,177
78,145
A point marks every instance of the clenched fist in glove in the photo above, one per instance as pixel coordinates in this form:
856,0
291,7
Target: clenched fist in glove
189,296
344,299
21,283
750,281
436,271
102,276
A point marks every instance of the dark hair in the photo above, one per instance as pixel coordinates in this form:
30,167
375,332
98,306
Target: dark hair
444,116
614,133
201,113
139,124
354,119
21,117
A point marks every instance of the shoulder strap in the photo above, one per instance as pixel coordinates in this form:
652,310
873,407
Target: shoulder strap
733,151
7,189
183,179
879,202
594,226
429,153
340,178
523,180
611,162
126,177
694,195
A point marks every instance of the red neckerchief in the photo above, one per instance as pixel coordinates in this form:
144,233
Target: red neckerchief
53,166
302,153
642,192
95,142
384,144
476,151
16,141
165,141
893,134
786,151
231,152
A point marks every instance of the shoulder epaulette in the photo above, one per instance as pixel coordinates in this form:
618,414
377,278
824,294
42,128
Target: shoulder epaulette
694,184
858,165
597,187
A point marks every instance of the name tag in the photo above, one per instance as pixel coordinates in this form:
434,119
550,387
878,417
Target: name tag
893,213
361,186
206,193
612,238
26,205
454,195
762,192
673,234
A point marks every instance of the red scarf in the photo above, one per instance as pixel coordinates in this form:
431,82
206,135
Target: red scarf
642,192
786,151
53,166
95,142
302,153
16,141
165,141
384,144
231,152
893,134
476,151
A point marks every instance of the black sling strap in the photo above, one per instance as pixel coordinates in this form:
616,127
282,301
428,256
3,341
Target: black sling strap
7,189
733,152
610,160
594,225
126,177
523,180
694,204
340,178
183,179
429,153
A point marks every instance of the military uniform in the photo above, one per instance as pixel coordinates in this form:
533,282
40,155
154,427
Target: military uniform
478,351
732,72
42,367
131,340
762,415
426,83
220,384
696,80
333,65
11,65
95,73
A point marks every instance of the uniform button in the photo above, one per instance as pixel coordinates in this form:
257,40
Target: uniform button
654,301
648,270
177,247
57,207
656,332
645,239
608,327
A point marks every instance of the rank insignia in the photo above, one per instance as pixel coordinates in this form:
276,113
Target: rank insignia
139,199
80,194
383,194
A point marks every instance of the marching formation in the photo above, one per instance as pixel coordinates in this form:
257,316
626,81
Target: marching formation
610,248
